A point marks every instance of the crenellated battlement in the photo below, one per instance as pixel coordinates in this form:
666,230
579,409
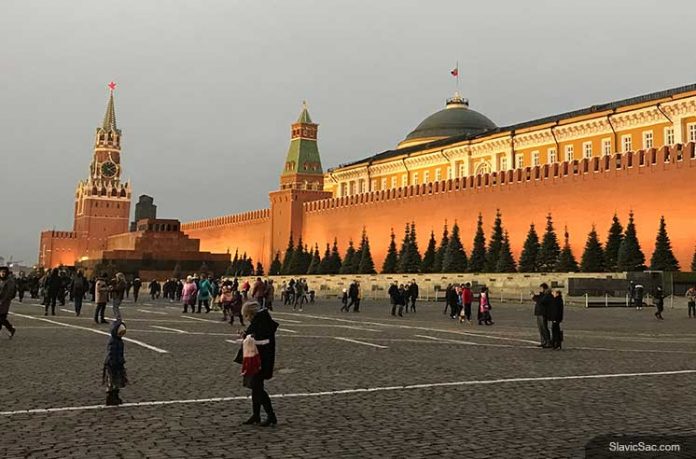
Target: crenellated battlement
652,159
244,217
59,234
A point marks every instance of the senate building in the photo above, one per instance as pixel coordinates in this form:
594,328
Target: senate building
582,167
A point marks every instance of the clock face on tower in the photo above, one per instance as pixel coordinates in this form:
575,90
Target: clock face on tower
109,169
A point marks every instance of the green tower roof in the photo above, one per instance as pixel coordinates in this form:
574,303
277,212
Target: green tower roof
303,153
304,115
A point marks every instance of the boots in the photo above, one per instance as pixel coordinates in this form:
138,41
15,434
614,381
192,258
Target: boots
112,398
271,420
253,420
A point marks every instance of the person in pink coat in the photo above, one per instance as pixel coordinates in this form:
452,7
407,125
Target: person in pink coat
189,294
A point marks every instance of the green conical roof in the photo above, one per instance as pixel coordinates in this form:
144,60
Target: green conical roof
109,123
304,115
303,155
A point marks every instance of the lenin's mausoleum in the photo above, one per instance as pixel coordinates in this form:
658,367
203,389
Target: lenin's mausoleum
582,167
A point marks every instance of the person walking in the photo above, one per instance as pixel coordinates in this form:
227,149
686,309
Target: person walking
691,301
413,294
467,299
188,295
485,306
8,290
542,304
354,297
205,290
22,283
393,293
270,292
556,317
137,283
659,302
79,288
101,297
262,329
298,296
53,286
114,372
118,292
453,301
638,292
258,292
155,289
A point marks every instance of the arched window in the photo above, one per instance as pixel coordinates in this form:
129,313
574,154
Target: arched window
483,168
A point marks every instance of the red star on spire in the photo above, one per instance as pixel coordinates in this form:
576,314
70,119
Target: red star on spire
112,85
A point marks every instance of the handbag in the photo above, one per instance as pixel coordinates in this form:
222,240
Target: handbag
239,358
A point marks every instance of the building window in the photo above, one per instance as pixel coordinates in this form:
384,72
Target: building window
404,180
519,160
587,150
552,155
374,185
449,172
362,185
669,136
503,163
692,132
461,170
426,176
535,158
383,183
438,174
393,182
647,140
351,188
606,147
344,189
569,153
414,181
626,143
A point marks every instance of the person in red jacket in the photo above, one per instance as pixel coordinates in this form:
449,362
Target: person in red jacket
467,299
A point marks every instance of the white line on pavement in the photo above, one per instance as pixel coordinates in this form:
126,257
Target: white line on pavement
152,312
202,320
67,310
288,321
471,343
361,342
350,391
171,329
287,330
130,340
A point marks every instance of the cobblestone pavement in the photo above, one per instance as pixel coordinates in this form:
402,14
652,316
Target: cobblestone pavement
437,388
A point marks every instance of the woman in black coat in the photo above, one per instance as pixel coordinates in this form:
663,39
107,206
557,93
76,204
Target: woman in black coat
263,328
555,315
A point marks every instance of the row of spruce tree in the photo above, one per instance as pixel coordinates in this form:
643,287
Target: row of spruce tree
620,252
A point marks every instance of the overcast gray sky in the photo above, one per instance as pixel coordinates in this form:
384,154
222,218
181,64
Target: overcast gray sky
207,89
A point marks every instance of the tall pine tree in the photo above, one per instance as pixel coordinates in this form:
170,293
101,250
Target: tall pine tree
663,258
259,269
403,251
506,262
693,262
287,258
324,266
316,261
366,265
611,248
530,252
440,253
494,243
455,260
391,261
298,261
336,262
276,265
549,250
631,256
566,259
477,262
427,266
350,261
593,258
414,257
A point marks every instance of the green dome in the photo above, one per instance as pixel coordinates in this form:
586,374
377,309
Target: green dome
456,119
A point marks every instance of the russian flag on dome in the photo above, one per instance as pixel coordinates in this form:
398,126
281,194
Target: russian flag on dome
455,71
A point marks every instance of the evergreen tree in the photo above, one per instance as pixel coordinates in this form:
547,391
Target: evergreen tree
285,268
366,264
693,262
440,254
494,244
454,260
414,257
259,269
249,267
176,273
403,251
427,266
325,265
276,265
530,252
297,262
549,250
566,259
611,249
631,256
391,261
235,262
663,258
307,256
506,262
336,262
350,261
593,258
315,263
477,262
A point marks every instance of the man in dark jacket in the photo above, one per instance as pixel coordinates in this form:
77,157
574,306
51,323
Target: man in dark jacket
79,287
54,284
354,296
394,299
137,283
556,317
7,293
413,294
542,305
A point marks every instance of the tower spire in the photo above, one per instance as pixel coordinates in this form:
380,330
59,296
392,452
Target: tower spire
109,123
